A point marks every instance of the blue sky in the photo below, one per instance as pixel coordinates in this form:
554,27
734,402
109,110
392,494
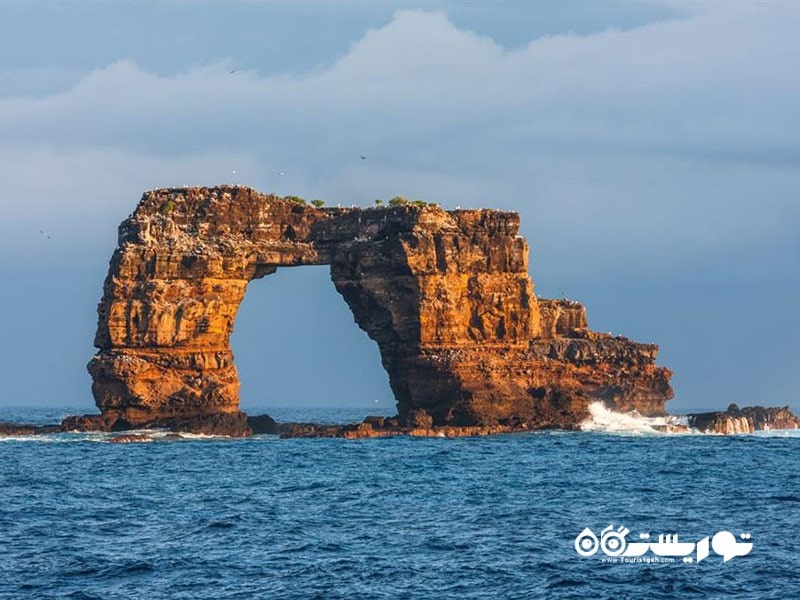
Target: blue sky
652,149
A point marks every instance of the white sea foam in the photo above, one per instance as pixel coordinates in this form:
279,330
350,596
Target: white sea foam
195,436
152,435
603,419
783,433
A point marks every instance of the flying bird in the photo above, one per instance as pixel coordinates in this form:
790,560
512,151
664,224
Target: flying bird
45,234
281,172
232,71
363,157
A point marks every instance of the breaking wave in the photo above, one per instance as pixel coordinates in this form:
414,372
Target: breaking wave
602,419
148,435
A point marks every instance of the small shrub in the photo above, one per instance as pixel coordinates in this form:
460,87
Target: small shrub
295,199
318,203
378,202
400,201
167,207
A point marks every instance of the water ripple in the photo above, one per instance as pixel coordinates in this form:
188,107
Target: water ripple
390,518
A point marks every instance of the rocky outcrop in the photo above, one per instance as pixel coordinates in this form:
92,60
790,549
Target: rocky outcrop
131,438
371,429
446,295
744,420
230,424
19,429
263,424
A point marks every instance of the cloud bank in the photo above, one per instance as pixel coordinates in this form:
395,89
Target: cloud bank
664,154
679,130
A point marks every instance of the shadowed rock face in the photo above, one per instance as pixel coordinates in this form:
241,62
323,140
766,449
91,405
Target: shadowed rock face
445,294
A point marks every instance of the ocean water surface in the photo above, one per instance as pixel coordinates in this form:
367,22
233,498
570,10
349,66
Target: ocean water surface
493,517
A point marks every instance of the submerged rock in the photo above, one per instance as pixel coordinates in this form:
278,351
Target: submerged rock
372,428
672,428
15,429
131,438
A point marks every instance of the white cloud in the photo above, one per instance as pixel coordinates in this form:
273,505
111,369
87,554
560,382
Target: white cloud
80,196
656,168
678,137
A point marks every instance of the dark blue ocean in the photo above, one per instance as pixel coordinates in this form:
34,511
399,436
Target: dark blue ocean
492,517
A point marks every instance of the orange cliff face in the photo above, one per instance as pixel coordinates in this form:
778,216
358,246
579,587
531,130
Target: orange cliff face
445,294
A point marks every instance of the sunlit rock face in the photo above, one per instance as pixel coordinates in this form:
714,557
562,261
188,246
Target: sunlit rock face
446,295
745,420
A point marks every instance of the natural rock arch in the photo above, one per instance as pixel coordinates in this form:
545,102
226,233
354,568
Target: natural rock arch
445,294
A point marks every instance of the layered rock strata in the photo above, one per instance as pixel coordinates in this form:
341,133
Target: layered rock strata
446,295
744,420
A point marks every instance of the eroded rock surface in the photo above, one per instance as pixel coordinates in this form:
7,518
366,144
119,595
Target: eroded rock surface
744,420
19,429
445,294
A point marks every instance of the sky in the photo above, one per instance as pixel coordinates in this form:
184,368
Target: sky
652,149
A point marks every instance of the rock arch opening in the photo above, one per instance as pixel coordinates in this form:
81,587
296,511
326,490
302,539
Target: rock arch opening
296,345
